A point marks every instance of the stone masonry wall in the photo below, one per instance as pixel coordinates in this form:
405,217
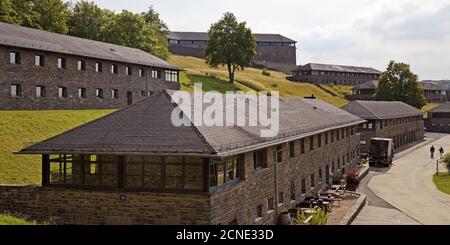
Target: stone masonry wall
28,75
74,206
239,202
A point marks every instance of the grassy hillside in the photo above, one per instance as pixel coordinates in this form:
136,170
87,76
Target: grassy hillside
340,90
216,79
11,220
21,128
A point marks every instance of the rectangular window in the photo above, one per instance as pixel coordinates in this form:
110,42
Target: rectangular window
311,143
279,153
303,185
39,60
61,62
292,149
222,171
292,190
98,67
326,138
16,90
40,91
313,182
62,92
259,211
114,69
320,174
99,93
81,92
81,65
172,76
128,70
280,197
141,72
143,171
319,140
332,136
270,204
14,57
302,146
337,135
156,74
260,159
115,93
174,172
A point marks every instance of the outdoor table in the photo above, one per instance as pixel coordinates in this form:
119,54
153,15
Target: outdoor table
336,187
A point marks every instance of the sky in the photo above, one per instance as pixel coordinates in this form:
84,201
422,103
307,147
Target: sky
347,32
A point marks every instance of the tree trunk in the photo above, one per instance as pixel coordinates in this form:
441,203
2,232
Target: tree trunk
230,73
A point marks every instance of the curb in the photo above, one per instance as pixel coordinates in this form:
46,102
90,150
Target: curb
354,211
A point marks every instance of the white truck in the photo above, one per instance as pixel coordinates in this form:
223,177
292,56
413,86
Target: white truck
381,152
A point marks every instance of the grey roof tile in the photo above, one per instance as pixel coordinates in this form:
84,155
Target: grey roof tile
23,37
203,36
337,68
380,109
146,128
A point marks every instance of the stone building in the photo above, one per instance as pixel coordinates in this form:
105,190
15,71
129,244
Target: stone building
387,119
334,74
44,70
135,167
364,91
434,93
438,119
273,51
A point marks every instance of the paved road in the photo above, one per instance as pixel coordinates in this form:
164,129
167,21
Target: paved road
371,215
408,185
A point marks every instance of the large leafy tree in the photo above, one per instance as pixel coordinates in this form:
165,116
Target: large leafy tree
154,21
131,30
19,12
230,44
399,83
86,20
7,12
52,15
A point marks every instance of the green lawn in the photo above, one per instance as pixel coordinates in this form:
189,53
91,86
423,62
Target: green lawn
21,128
442,182
11,220
195,70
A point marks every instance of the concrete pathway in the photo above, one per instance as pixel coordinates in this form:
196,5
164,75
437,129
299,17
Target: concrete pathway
371,215
408,185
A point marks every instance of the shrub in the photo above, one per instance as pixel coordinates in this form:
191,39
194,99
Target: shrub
447,161
319,217
266,72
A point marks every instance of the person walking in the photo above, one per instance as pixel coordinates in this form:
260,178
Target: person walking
432,151
441,151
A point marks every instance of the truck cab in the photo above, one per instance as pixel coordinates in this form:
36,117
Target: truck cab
381,152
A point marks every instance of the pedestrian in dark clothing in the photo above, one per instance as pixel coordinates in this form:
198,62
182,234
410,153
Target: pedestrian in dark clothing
432,151
441,150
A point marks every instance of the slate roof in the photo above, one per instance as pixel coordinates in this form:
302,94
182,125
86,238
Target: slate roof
432,86
337,68
23,37
370,110
367,85
445,107
203,36
146,128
